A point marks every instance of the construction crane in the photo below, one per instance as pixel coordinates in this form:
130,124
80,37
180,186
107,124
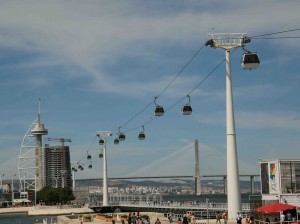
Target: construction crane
61,140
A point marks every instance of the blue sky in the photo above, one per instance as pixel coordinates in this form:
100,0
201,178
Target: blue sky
96,64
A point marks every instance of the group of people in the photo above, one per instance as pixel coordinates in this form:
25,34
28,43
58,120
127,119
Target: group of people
137,219
239,218
223,216
186,219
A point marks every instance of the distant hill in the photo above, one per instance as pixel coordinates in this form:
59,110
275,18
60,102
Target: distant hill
163,183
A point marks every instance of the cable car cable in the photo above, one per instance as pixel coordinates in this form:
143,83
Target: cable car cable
268,38
184,67
181,99
176,76
267,34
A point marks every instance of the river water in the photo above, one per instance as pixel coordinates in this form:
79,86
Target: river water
23,218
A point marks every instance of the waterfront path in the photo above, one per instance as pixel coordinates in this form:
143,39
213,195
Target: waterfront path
46,210
14,210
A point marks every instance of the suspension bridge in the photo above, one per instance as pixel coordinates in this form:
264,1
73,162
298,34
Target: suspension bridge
184,163
164,168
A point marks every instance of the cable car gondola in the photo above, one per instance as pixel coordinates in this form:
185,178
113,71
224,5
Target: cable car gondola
121,137
74,169
90,166
80,167
250,60
142,135
187,108
89,157
101,142
101,155
159,110
116,141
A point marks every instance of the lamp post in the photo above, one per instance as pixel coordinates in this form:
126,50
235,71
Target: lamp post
74,170
207,214
24,188
12,188
227,42
63,176
104,135
35,188
1,184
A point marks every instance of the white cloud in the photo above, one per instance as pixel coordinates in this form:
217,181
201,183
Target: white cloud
90,35
268,120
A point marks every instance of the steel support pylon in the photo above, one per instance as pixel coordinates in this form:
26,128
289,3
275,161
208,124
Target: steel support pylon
228,41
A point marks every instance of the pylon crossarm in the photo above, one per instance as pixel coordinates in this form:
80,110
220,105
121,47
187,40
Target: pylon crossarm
228,40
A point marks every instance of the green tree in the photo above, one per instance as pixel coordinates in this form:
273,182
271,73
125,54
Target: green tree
51,195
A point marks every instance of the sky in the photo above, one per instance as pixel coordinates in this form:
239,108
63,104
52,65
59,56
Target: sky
98,65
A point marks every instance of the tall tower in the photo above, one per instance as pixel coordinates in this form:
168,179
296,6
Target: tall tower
38,131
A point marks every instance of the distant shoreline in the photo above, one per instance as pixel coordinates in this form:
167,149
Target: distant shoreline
45,210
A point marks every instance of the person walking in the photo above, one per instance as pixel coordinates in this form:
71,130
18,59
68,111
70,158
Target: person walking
185,219
218,218
239,218
193,219
225,216
157,221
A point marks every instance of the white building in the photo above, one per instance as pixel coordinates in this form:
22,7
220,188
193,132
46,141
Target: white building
280,181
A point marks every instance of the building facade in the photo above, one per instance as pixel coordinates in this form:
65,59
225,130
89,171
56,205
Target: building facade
57,166
280,181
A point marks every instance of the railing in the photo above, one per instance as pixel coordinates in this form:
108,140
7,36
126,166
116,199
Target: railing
167,204
257,221
217,206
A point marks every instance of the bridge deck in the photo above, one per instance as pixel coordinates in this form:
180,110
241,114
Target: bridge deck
175,207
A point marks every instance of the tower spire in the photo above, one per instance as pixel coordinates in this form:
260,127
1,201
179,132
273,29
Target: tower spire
39,114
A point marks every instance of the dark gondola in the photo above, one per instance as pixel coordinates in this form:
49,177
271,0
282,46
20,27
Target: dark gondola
250,61
116,141
186,110
101,141
80,167
159,110
89,157
121,137
142,136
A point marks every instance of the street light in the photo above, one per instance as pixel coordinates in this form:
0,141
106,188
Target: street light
63,176
35,190
1,184
207,216
104,135
12,188
228,41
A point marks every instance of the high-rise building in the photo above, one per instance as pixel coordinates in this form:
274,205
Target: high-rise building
57,166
